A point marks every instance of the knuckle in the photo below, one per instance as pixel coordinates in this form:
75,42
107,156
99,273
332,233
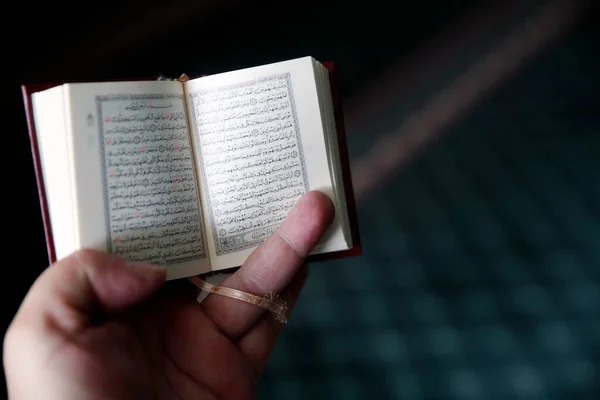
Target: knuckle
87,256
290,245
91,257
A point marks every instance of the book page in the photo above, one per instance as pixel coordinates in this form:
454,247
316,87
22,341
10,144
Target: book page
135,177
49,115
260,146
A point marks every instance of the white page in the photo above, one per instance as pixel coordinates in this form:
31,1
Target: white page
260,145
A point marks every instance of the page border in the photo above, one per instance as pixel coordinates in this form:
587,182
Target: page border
123,96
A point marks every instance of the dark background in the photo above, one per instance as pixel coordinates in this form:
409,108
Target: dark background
489,196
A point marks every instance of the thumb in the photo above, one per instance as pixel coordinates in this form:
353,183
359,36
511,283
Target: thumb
72,292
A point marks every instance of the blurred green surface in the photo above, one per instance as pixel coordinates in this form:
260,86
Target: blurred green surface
480,277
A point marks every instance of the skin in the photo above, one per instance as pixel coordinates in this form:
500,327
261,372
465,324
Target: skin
94,327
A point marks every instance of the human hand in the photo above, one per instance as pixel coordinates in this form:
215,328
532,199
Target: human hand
93,328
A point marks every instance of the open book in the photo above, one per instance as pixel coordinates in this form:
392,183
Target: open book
192,175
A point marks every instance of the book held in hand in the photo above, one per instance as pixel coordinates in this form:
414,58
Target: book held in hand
192,175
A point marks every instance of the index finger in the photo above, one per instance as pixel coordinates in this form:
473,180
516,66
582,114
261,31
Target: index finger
273,265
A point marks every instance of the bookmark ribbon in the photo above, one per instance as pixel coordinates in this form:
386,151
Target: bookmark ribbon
270,302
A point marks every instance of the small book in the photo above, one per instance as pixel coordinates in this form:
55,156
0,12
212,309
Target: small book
190,174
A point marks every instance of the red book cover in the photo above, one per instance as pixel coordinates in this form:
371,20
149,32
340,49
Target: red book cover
29,89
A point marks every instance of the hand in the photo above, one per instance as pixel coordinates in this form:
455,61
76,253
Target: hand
92,327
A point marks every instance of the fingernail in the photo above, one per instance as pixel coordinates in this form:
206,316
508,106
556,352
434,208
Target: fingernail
151,271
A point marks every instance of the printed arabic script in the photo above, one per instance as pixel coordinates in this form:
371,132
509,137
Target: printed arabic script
151,190
251,158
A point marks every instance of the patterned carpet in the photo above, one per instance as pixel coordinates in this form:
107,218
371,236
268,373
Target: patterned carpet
480,277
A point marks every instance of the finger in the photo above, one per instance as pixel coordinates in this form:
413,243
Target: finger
71,293
259,342
272,266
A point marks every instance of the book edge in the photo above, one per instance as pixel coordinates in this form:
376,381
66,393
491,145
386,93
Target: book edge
356,249
27,92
